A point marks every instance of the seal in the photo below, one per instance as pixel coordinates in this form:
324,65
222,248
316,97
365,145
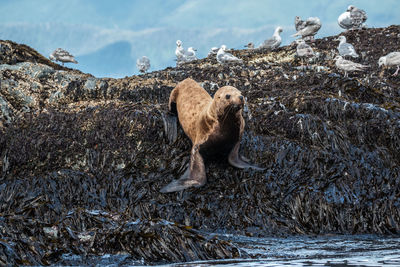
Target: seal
214,125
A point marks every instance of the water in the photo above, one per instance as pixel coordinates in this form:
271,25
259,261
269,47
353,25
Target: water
364,250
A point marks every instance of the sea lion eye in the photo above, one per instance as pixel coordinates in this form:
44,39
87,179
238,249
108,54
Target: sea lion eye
228,96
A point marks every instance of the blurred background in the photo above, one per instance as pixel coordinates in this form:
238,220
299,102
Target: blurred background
106,37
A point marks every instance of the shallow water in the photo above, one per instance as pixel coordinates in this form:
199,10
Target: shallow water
364,250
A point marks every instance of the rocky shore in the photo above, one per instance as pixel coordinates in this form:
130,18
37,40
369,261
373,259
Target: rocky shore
82,159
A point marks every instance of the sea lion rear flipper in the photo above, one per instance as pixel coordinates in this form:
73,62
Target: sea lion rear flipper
240,162
170,126
194,176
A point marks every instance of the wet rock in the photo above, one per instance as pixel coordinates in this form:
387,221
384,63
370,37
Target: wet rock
6,111
37,71
95,232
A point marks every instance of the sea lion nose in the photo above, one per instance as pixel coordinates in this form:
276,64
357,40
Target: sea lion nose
237,106
241,98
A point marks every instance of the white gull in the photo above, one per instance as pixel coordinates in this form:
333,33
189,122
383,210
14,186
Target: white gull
348,65
143,64
391,59
346,49
225,57
273,42
311,27
353,18
63,56
303,50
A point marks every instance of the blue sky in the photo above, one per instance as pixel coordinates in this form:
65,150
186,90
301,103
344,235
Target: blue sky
107,36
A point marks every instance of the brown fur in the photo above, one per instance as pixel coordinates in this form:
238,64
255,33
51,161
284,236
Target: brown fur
198,112
214,125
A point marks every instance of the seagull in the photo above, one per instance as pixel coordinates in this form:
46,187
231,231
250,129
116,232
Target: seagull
250,45
143,64
179,51
311,27
353,18
224,57
63,56
391,59
213,51
274,42
189,55
299,24
303,50
348,65
345,49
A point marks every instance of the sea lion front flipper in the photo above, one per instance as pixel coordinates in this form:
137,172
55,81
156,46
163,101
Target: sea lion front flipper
194,176
240,162
170,126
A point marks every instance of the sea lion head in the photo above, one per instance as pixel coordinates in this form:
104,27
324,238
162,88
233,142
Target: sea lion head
227,99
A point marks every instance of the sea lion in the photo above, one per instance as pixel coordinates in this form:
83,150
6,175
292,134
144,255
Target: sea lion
214,125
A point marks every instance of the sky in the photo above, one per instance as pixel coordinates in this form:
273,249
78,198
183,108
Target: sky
106,37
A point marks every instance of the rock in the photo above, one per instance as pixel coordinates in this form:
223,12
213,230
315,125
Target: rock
6,112
36,71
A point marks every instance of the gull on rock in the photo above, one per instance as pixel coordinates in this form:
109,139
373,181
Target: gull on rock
213,51
353,18
273,42
143,64
182,55
309,28
250,45
189,55
179,51
303,50
299,24
391,59
225,57
63,56
345,49
348,65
